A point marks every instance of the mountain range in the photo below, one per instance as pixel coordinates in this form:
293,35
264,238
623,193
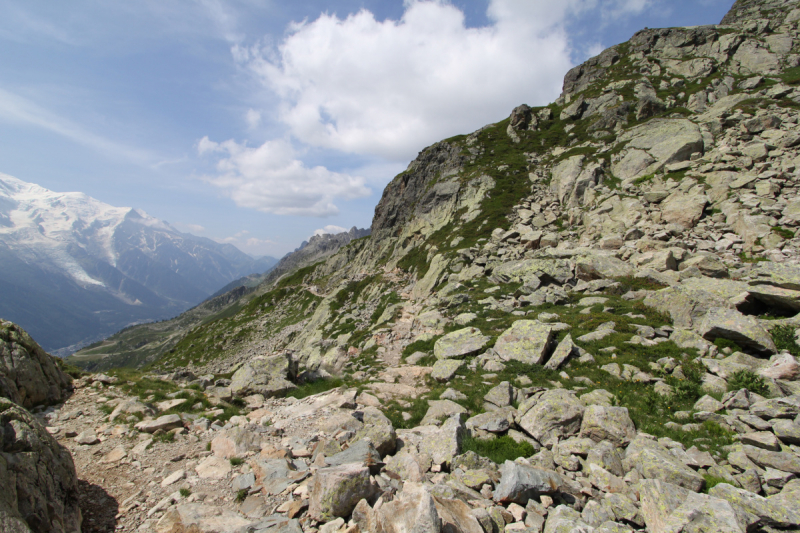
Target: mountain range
74,269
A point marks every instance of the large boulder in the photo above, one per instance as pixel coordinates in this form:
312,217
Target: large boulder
412,511
28,375
39,485
269,376
654,461
379,430
441,444
608,423
684,209
665,140
745,330
557,414
335,491
527,341
519,483
460,343
668,507
771,512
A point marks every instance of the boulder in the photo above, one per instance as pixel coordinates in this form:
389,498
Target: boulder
611,424
519,483
500,395
235,442
268,376
653,461
40,486
460,344
439,410
335,491
596,266
201,518
668,507
787,431
445,369
213,468
783,461
557,414
492,421
379,430
441,444
29,376
409,466
781,366
526,341
412,511
565,349
164,423
684,209
665,140
733,325
131,407
771,512
788,407
361,452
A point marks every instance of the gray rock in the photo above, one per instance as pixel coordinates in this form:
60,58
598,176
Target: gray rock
787,431
733,325
413,510
666,140
776,408
611,424
526,341
335,491
439,410
460,344
501,395
519,483
786,462
654,461
379,430
771,512
492,421
668,507
164,423
445,369
40,487
29,376
556,414
268,376
361,452
565,349
441,444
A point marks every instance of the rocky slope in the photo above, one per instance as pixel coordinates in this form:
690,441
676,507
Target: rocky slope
74,269
581,318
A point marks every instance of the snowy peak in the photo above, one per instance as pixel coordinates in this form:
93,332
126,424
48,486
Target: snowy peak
117,264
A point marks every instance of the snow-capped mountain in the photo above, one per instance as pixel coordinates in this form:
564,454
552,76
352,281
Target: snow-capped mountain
74,269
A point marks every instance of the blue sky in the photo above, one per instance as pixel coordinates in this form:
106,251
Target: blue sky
259,122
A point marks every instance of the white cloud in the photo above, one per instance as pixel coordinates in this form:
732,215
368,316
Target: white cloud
16,109
388,88
330,229
271,179
253,118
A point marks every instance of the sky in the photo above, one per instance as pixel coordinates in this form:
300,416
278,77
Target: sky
263,122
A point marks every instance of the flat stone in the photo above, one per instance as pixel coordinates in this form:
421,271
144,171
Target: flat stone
335,491
268,376
526,341
769,511
761,439
166,405
500,395
173,478
201,518
786,462
213,467
491,421
164,423
733,325
115,455
556,414
519,483
654,461
440,409
87,437
445,369
787,431
460,344
563,352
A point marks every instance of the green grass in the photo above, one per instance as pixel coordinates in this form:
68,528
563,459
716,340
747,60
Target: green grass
164,437
712,481
185,493
236,461
783,232
783,336
499,450
241,495
745,379
420,346
315,387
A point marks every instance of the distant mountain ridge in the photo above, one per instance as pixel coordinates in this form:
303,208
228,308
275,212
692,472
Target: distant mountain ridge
74,269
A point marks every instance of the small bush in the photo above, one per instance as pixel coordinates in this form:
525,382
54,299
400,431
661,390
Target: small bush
185,493
238,402
745,379
208,446
165,437
712,481
721,343
241,496
499,450
784,340
236,461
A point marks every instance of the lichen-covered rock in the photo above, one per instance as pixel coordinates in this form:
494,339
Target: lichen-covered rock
666,140
335,491
445,369
654,461
556,414
783,461
668,507
501,395
412,511
39,485
733,325
519,483
684,209
460,343
28,375
379,430
439,410
565,349
527,341
441,444
608,423
269,376
771,512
